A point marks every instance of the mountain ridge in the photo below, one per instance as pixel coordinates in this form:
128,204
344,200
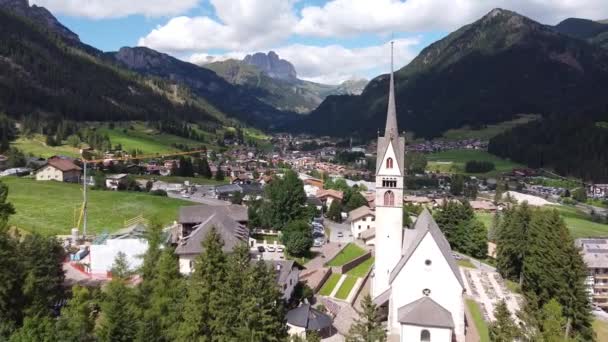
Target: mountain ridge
286,91
453,82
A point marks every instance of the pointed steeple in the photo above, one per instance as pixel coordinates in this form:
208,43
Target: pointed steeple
391,130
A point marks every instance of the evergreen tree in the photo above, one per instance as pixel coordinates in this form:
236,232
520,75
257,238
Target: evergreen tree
553,322
219,175
297,238
121,268
451,217
203,168
494,227
335,211
36,328
77,319
475,242
162,314
11,276
154,236
285,200
512,241
368,327
205,289
457,185
42,260
503,329
355,201
118,321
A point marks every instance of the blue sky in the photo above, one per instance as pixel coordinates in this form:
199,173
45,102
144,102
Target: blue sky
327,40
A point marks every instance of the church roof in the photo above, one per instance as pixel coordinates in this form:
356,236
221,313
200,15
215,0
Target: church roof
426,224
306,317
425,312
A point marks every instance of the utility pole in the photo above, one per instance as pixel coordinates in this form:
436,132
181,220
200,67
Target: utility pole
84,204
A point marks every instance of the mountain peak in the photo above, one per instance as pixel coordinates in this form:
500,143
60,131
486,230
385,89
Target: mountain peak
39,15
272,65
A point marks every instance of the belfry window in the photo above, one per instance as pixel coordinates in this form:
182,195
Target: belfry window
389,163
389,198
389,183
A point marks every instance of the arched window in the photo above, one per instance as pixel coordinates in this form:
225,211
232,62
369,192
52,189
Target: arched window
389,163
389,198
425,336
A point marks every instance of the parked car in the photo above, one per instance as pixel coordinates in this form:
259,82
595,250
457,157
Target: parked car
271,249
340,234
261,249
318,243
280,249
317,235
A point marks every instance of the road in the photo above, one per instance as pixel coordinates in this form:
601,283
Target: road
335,228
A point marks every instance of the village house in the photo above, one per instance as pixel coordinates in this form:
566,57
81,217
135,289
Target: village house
330,195
114,182
195,222
58,169
595,255
361,219
486,206
287,275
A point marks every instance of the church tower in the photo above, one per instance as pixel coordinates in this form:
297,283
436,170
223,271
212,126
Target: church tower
390,171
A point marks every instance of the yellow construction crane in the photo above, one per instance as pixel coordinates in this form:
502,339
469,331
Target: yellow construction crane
82,218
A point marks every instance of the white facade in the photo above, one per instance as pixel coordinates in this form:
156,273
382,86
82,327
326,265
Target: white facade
389,220
416,277
362,224
415,333
186,264
102,257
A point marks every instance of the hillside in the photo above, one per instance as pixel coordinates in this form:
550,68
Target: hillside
595,32
274,81
43,77
486,72
236,101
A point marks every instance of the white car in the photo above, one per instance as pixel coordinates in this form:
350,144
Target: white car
280,249
270,249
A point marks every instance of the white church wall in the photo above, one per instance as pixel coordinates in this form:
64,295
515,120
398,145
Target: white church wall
388,246
411,333
438,277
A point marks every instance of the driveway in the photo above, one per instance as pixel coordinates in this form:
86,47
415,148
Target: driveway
336,228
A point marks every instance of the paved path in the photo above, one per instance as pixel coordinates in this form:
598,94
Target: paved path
487,289
336,228
335,290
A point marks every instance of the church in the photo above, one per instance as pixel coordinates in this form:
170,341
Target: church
416,281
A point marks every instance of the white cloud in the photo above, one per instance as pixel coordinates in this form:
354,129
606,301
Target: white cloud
353,17
242,25
333,64
101,9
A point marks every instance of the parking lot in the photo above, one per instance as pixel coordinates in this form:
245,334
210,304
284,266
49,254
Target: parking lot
339,232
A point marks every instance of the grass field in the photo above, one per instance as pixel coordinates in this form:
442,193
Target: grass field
453,161
485,218
465,263
268,238
347,254
346,287
361,270
480,324
329,285
489,131
36,146
580,224
601,329
147,140
49,207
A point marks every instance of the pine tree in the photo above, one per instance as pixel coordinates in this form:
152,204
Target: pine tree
285,200
36,328
297,238
368,327
335,211
162,313
121,269
512,241
203,168
205,289
11,277
42,259
119,317
77,320
553,322
503,329
475,241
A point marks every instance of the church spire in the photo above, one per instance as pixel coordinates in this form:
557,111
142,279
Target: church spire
391,130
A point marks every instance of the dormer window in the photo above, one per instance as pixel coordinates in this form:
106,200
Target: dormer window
389,163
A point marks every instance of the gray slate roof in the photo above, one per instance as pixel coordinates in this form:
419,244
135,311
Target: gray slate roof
425,312
286,268
306,317
391,132
232,232
199,213
425,224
